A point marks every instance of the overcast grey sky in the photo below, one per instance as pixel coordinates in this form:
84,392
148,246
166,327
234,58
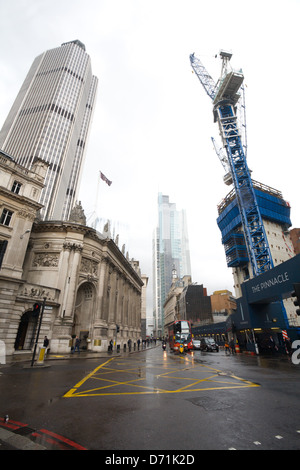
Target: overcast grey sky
153,122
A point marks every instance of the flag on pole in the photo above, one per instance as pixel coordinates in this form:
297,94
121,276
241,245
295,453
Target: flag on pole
103,177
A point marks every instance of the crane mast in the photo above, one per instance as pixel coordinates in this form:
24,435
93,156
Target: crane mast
225,96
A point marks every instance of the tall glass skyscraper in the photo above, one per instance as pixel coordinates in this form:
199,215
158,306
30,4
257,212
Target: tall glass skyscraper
50,119
170,251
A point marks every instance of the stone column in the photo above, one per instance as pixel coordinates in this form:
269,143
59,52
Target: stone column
62,328
72,281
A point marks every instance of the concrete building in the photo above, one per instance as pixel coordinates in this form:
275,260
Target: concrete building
50,120
89,287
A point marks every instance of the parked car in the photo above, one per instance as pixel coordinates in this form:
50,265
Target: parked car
196,343
208,344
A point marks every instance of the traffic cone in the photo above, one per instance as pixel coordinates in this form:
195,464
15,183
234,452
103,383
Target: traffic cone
237,348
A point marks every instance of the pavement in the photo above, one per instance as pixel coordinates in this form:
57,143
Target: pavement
12,441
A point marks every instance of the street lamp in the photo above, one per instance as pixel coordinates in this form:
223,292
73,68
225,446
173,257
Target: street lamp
27,231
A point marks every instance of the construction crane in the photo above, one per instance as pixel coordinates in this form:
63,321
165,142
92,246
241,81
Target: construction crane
224,161
225,95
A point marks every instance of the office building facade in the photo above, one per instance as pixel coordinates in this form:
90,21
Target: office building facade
170,252
50,120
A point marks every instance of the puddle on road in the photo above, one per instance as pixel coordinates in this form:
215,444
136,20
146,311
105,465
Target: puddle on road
208,403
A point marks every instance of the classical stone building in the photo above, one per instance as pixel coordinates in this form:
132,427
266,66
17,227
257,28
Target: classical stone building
88,286
20,191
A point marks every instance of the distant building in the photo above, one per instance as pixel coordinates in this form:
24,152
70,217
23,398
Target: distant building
187,301
170,250
222,304
195,305
144,307
295,238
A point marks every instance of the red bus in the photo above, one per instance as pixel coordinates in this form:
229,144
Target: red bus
180,332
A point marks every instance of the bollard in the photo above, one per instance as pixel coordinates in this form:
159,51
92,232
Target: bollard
42,354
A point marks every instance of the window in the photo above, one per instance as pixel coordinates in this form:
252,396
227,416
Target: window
16,187
3,245
6,217
88,293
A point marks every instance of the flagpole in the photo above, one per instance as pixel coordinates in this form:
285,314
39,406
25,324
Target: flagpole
94,222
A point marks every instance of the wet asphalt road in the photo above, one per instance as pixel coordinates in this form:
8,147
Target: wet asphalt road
156,400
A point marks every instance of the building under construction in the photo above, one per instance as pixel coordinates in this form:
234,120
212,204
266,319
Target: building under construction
275,213
254,221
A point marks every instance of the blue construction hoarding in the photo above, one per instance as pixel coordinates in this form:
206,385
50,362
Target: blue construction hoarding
261,303
260,308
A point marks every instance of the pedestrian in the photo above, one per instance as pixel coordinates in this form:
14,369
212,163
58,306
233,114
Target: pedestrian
111,345
227,350
272,345
138,343
231,344
46,342
77,344
288,346
129,344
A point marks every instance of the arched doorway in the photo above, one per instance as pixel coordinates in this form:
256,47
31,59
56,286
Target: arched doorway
26,331
84,313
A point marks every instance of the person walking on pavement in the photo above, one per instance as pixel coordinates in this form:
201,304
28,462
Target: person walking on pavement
231,344
46,344
77,344
227,350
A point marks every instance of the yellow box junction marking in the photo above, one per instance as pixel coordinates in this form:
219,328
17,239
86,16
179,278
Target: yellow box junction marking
136,383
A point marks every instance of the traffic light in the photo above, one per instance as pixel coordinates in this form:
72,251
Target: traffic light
118,328
296,294
36,309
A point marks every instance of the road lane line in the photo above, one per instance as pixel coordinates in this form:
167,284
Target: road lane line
71,392
99,372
